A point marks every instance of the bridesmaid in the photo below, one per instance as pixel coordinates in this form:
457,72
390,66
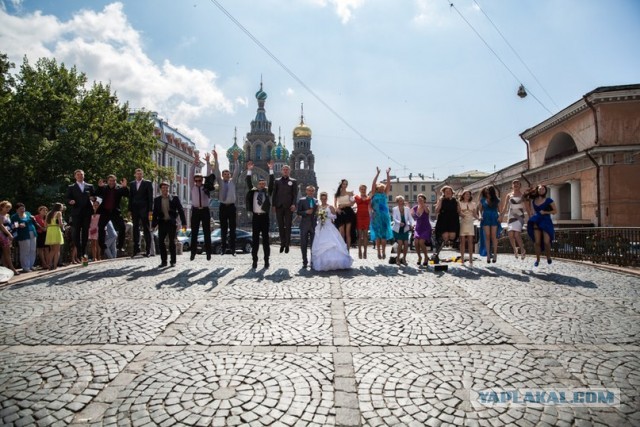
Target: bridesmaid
422,230
468,213
363,204
490,221
343,203
514,209
540,225
448,222
380,218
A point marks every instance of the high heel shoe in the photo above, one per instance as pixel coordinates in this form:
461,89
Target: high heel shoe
522,253
495,258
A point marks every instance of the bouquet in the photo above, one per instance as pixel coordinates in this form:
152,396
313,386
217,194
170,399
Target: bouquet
322,215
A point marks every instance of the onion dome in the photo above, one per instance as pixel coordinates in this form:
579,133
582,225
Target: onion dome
302,130
279,153
235,149
261,95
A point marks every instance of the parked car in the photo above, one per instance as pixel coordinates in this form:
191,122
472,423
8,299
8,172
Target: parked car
295,235
243,241
184,237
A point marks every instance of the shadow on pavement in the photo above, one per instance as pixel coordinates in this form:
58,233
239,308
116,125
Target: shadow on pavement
561,279
183,280
505,273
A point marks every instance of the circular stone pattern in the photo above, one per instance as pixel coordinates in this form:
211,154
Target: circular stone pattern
46,389
408,287
260,323
302,288
568,320
93,323
423,322
56,288
227,389
438,388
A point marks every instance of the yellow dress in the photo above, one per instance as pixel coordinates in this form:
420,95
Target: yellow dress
54,233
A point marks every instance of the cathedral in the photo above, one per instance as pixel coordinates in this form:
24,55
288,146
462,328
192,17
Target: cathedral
260,147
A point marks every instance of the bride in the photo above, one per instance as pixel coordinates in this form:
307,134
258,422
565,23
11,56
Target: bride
329,251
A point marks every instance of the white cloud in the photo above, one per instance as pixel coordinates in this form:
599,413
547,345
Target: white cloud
107,48
290,92
430,13
344,8
244,101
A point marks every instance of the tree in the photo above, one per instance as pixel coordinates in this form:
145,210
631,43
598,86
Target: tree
51,124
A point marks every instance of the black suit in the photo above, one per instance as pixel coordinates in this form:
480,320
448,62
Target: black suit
81,212
112,214
259,222
168,227
285,195
307,225
140,204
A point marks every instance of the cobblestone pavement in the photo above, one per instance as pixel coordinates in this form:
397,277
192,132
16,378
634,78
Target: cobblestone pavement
217,343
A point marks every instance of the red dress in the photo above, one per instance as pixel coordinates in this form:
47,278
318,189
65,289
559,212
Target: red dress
362,215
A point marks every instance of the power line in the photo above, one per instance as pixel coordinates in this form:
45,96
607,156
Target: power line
495,53
301,83
516,53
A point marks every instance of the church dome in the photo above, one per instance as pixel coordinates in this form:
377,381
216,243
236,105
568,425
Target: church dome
302,131
261,95
279,153
235,149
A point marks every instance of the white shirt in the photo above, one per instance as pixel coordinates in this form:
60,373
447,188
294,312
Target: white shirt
256,207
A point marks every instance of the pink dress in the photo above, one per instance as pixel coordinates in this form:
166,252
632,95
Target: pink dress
93,227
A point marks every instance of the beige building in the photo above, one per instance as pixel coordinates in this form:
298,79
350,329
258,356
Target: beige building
410,187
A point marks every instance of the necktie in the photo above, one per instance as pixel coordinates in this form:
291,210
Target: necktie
200,196
260,197
137,185
310,202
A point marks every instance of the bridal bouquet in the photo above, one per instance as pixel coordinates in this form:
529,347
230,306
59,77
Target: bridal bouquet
322,215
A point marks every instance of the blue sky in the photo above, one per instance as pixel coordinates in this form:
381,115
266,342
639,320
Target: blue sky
410,76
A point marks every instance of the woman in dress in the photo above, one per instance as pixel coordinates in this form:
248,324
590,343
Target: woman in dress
380,219
540,225
422,228
402,224
468,214
363,204
490,222
6,236
41,228
54,235
26,236
345,216
514,209
448,221
328,251
93,231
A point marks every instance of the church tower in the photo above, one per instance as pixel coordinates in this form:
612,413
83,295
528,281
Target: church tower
260,141
301,159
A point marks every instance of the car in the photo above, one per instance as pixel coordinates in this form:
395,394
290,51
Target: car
184,237
243,241
295,235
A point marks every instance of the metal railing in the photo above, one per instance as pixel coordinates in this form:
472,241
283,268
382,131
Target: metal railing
611,245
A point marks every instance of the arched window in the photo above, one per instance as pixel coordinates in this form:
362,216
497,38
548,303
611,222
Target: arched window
258,152
561,145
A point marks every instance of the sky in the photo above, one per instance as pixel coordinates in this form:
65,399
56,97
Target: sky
419,86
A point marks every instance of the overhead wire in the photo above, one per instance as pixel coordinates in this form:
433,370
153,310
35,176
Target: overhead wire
301,82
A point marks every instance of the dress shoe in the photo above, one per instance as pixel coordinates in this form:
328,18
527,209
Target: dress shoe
255,264
208,257
163,264
134,254
286,249
173,264
304,265
193,256
281,249
266,264
147,255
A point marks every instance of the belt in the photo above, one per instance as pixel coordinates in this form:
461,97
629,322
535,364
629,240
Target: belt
206,207
259,213
227,204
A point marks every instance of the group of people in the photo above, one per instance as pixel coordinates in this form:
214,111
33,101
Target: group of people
325,229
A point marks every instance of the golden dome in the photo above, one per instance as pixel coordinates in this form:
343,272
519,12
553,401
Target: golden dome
302,131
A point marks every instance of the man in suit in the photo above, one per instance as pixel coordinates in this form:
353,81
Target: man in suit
109,209
307,209
200,213
79,198
285,196
141,207
258,203
227,197
166,210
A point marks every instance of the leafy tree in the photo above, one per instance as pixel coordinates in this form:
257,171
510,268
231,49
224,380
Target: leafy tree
52,123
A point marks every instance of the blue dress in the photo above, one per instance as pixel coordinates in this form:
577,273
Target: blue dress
490,217
540,221
380,227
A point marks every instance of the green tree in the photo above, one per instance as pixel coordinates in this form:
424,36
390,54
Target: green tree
52,123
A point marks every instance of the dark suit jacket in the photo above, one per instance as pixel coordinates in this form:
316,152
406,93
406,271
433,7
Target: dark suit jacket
104,191
141,200
175,210
82,206
285,195
266,205
306,219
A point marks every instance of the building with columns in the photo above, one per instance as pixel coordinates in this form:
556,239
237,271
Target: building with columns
588,156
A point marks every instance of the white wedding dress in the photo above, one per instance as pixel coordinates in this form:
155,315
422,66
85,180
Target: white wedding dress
329,251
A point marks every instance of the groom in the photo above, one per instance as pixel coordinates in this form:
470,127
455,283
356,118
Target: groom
307,210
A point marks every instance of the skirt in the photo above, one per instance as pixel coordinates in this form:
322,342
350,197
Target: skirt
466,228
347,216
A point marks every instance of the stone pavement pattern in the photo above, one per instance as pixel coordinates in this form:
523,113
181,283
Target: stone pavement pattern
216,343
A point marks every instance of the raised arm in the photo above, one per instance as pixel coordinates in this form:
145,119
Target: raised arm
375,181
388,187
236,166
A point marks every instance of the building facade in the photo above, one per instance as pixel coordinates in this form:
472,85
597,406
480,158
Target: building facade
410,187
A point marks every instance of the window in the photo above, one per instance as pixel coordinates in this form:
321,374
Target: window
259,152
184,193
433,187
390,198
170,162
184,170
433,197
415,187
423,187
391,187
177,167
406,187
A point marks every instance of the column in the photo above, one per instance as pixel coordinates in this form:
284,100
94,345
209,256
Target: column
554,193
576,200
